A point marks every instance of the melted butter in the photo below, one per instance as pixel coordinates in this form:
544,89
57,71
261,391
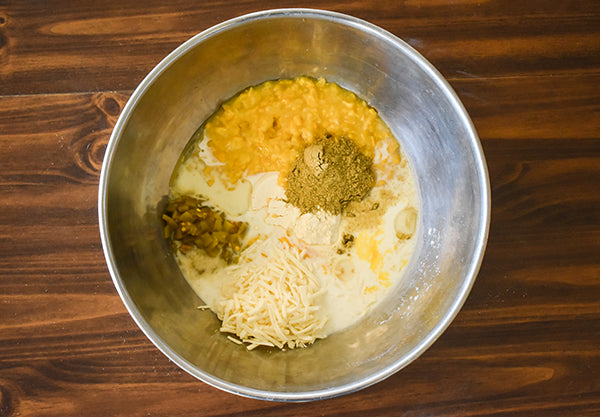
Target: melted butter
367,249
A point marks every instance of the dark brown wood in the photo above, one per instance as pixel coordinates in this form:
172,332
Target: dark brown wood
527,342
57,46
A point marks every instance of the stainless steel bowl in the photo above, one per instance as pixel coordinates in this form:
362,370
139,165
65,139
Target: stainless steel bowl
423,112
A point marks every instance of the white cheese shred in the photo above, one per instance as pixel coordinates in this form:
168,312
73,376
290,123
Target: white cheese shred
274,299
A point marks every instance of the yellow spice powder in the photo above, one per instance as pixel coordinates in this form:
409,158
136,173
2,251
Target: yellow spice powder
263,128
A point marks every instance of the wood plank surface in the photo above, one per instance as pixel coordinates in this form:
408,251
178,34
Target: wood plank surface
59,46
527,341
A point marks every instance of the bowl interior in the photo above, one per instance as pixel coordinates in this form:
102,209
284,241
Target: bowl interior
423,113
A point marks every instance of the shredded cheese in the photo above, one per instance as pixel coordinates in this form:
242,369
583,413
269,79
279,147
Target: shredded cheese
274,298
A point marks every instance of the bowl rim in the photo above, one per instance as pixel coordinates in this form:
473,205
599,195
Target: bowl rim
481,238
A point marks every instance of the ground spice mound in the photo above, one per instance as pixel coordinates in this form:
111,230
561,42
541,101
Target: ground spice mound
328,175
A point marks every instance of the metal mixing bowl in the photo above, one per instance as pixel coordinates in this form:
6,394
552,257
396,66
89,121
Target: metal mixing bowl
422,111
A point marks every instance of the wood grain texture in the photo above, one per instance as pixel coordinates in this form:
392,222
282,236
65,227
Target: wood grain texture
527,341
59,46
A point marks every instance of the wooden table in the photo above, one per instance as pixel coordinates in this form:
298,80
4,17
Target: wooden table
527,342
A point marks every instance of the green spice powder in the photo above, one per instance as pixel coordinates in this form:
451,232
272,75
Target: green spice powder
328,174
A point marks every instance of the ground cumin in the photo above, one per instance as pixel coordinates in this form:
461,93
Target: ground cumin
328,175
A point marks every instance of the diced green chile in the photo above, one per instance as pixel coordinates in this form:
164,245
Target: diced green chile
189,222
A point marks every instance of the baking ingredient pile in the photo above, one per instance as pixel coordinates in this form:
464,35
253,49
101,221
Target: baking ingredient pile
294,213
